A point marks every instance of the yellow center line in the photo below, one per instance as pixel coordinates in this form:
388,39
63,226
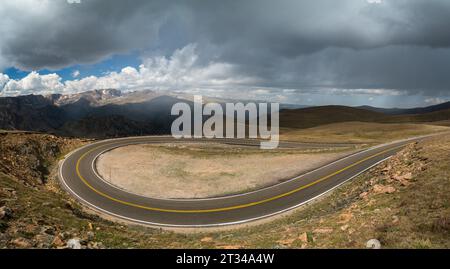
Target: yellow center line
224,208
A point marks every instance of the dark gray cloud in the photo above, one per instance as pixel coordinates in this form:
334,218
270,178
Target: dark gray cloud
348,44
53,34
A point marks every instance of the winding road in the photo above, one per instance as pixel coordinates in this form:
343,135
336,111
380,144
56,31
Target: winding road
78,175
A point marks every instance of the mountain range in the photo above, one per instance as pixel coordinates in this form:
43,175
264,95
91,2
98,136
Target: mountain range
112,113
99,113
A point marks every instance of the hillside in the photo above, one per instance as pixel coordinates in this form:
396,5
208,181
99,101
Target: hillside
397,203
98,114
315,116
441,115
110,126
30,113
409,111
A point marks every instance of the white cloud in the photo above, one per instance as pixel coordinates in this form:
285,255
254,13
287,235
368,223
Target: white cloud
76,73
434,101
34,83
3,80
384,92
86,31
182,71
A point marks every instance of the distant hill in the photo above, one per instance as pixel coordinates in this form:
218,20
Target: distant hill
109,126
315,116
441,115
409,111
387,111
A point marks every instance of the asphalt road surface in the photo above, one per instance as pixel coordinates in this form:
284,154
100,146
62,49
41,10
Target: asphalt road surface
78,175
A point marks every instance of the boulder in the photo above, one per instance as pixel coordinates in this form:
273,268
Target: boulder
323,230
22,243
345,217
58,242
74,243
90,235
206,239
373,244
363,195
5,212
383,189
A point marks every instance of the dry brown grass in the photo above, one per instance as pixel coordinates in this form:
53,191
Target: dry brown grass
316,116
199,170
360,132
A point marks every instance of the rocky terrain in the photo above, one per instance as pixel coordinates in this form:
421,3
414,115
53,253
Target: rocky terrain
29,201
31,113
403,203
98,114
28,157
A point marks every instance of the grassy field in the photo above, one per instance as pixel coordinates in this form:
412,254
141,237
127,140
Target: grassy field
440,123
442,115
200,171
316,116
359,132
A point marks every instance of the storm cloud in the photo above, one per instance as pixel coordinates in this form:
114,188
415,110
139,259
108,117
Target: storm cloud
305,46
38,34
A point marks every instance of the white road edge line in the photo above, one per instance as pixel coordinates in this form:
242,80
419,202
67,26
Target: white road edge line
228,223
240,194
93,166
215,224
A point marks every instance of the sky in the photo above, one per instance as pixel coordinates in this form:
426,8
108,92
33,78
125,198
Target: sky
386,53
